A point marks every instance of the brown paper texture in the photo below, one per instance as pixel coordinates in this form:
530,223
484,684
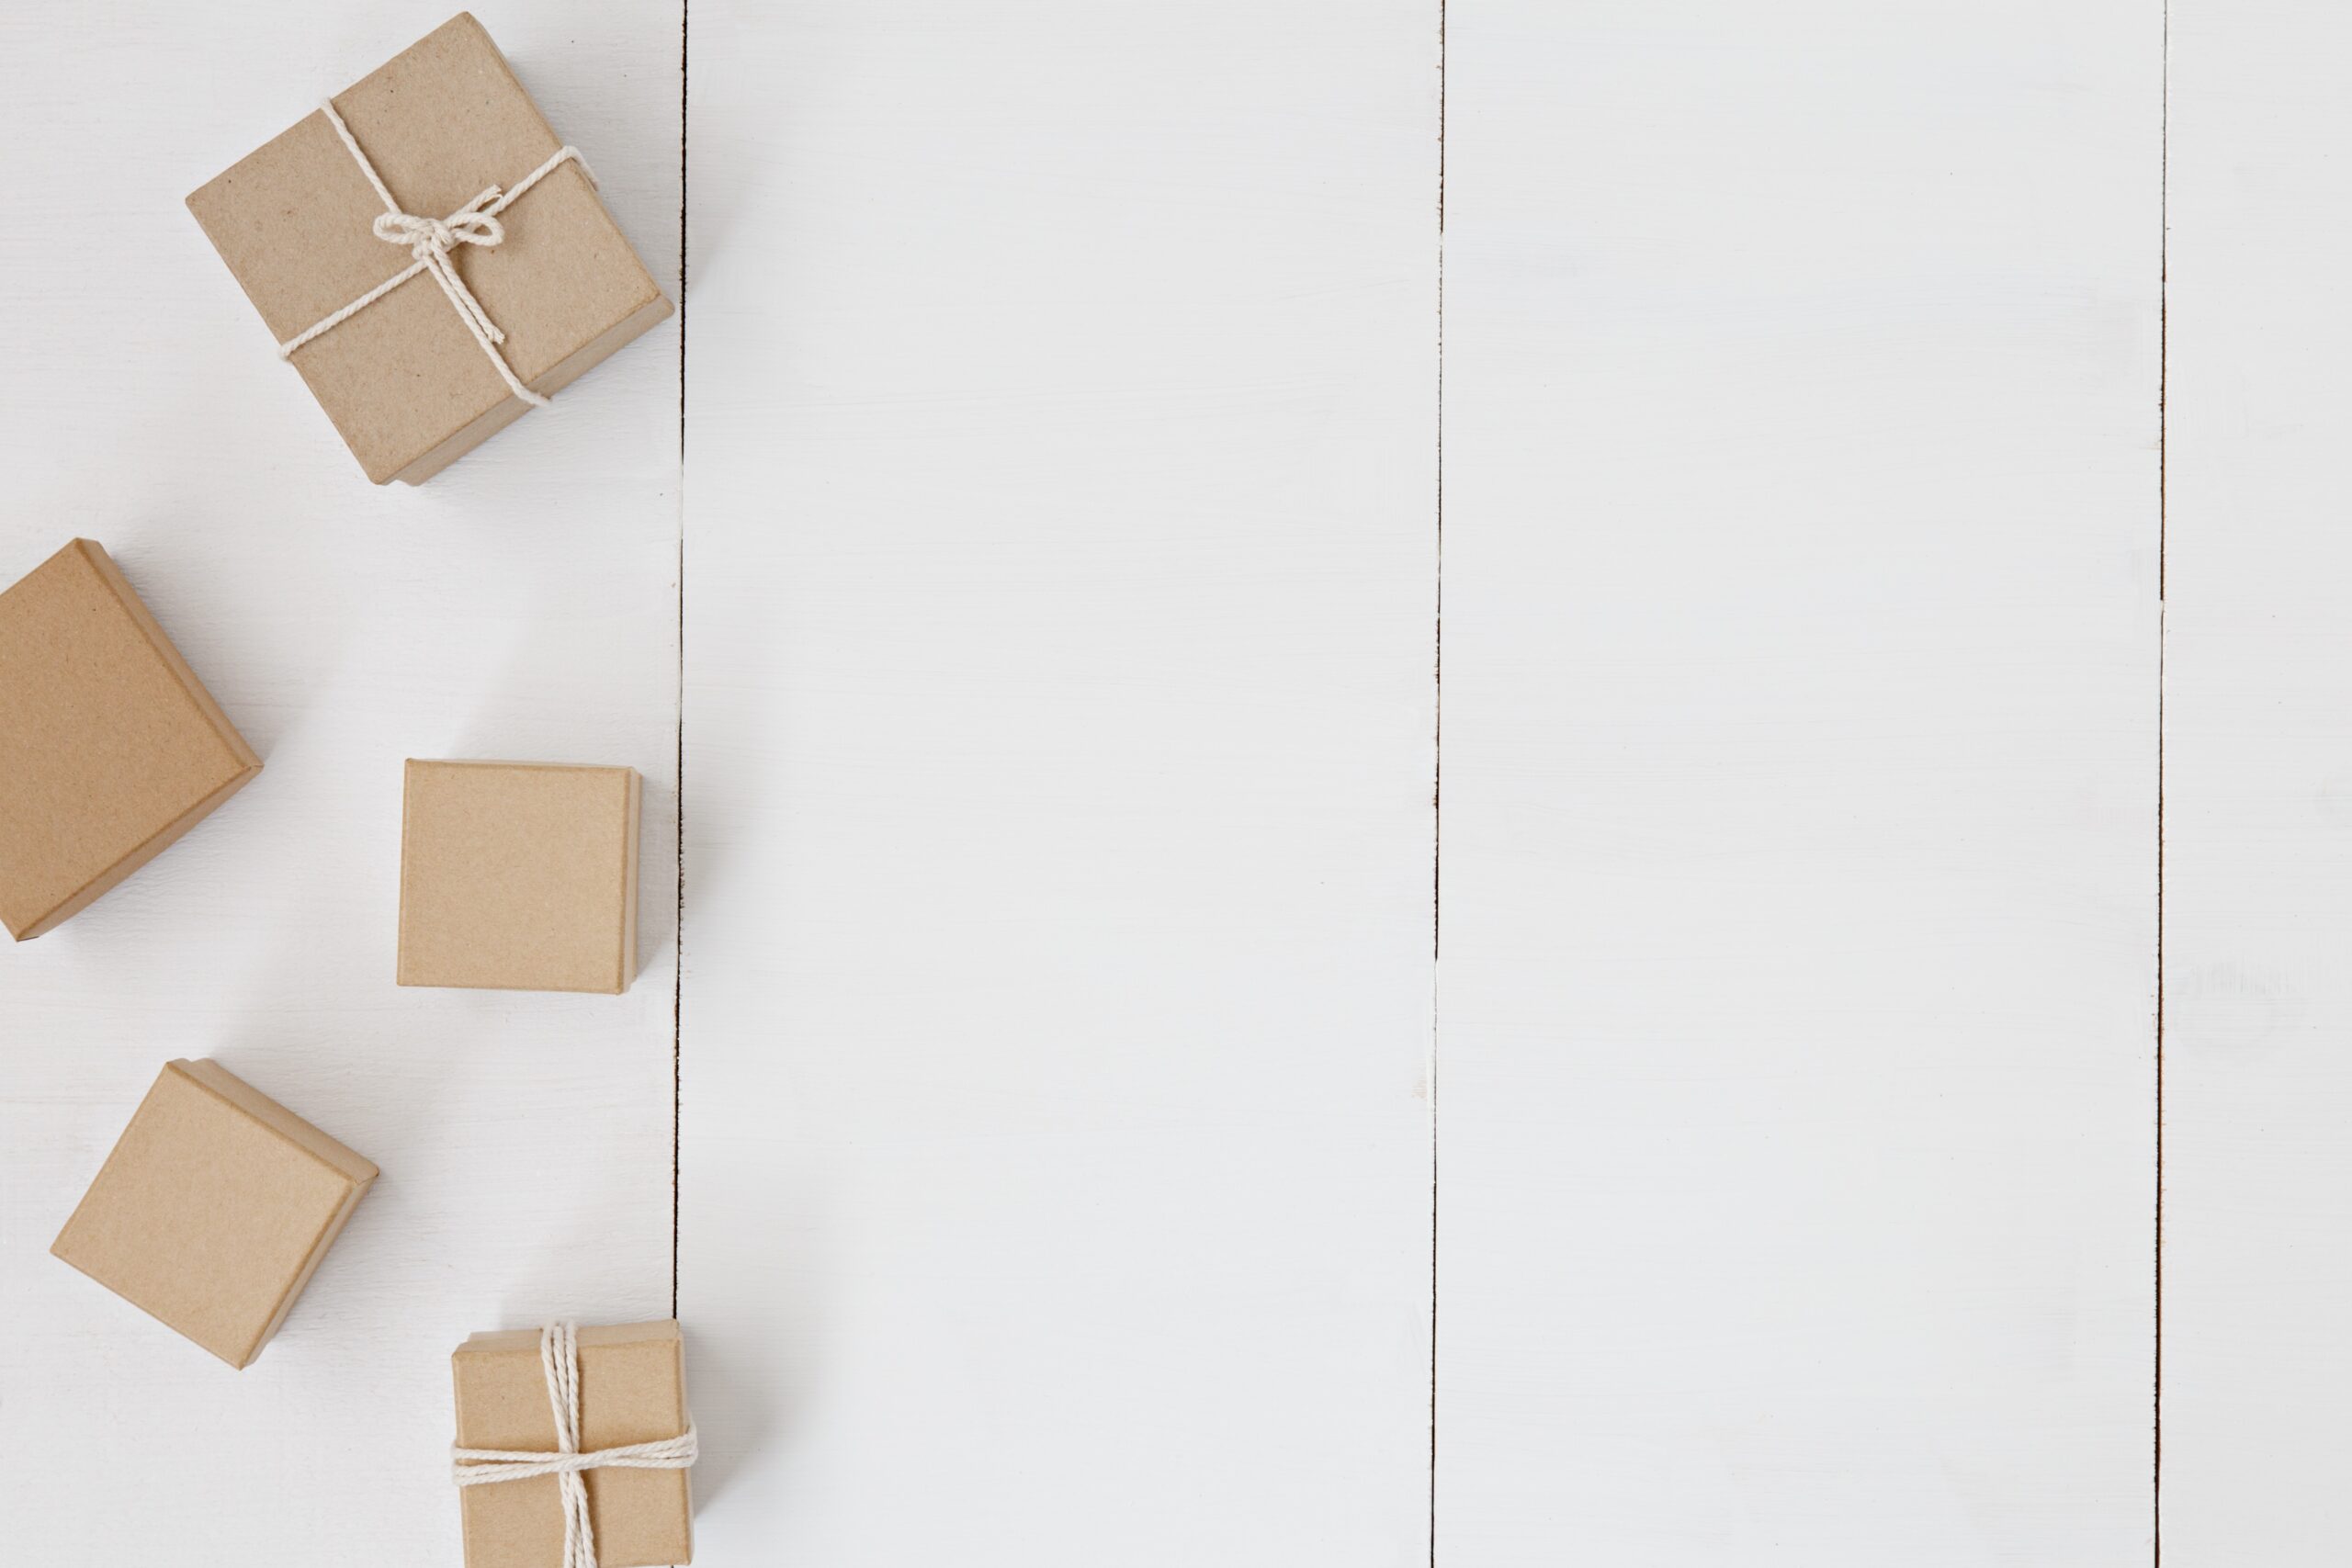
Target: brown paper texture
632,1390
110,747
405,383
519,876
214,1209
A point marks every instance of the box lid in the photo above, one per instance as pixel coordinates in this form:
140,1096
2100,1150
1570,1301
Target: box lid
213,1209
109,745
518,875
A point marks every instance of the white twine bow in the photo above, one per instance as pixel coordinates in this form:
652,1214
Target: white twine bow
430,242
560,1360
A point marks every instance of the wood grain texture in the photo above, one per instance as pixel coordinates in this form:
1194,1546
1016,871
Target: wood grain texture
1058,704
1796,1002
2258,790
523,604
1059,605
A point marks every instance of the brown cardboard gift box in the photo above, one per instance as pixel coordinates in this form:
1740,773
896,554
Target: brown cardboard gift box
110,747
519,876
214,1209
632,1390
405,379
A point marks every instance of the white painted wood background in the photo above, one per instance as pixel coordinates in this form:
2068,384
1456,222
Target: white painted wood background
1796,1042
2258,817
1031,568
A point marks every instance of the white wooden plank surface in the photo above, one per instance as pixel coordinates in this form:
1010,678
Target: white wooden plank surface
1796,1039
1060,604
1058,749
522,605
2258,753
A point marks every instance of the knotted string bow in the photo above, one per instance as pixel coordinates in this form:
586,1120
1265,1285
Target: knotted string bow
560,1360
430,242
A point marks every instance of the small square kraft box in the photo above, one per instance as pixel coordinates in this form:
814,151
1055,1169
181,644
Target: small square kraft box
632,1390
405,379
214,1209
519,876
110,747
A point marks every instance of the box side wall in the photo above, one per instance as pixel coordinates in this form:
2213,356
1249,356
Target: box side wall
565,371
631,831
464,440
301,1279
165,649
219,1080
107,881
81,1267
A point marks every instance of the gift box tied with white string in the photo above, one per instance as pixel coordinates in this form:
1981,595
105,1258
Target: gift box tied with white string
572,1446
427,253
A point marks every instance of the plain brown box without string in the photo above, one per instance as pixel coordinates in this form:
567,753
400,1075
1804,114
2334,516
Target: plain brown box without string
110,747
404,381
519,876
214,1209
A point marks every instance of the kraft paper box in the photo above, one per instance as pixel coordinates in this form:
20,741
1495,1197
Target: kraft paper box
632,1390
110,747
407,382
214,1209
519,876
